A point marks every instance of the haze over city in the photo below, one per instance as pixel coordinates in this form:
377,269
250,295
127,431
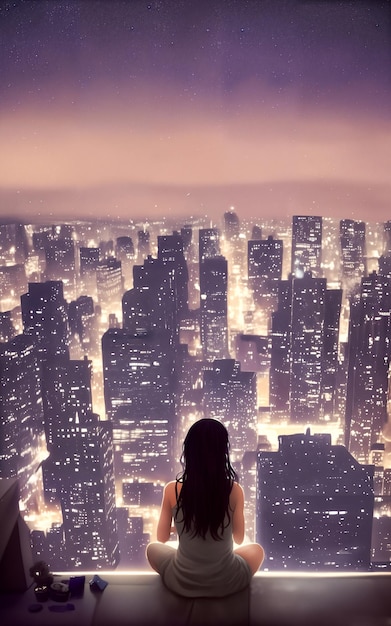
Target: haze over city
137,109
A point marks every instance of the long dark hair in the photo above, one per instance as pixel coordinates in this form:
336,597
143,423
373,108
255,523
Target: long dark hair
207,479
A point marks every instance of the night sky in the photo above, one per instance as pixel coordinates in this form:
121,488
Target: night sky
137,109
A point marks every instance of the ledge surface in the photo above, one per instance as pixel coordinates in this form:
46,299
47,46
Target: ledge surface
140,599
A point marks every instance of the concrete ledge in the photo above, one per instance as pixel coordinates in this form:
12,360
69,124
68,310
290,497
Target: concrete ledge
140,599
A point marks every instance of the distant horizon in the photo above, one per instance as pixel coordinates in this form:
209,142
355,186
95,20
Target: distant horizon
143,202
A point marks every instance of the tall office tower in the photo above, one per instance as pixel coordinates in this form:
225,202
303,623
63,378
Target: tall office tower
369,352
139,390
230,395
44,316
67,401
264,263
79,473
109,285
314,506
143,245
60,258
83,323
306,245
213,310
304,350
352,241
152,303
89,261
124,252
231,225
21,417
170,252
208,243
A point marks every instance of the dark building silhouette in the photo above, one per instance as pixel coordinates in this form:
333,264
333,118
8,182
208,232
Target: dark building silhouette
44,316
369,353
353,251
304,349
306,245
264,264
124,252
89,261
170,252
152,303
231,225
314,506
109,283
231,396
139,388
143,245
213,310
21,416
209,243
79,472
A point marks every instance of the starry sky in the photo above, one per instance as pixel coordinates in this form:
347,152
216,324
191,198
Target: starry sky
136,109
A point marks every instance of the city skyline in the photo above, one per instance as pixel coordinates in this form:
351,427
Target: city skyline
115,339
119,109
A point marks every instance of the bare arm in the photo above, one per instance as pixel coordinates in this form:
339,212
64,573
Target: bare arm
237,506
164,523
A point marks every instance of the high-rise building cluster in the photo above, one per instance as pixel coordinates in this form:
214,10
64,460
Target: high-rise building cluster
115,338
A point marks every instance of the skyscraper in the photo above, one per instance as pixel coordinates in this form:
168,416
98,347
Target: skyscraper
21,417
352,240
264,262
369,352
44,316
314,506
139,396
230,395
79,473
213,312
306,245
304,349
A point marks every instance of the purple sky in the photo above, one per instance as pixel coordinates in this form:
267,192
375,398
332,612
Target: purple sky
136,109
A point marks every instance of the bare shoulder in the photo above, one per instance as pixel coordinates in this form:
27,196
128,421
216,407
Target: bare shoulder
170,492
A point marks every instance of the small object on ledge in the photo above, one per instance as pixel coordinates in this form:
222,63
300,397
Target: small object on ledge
97,583
76,586
59,592
41,593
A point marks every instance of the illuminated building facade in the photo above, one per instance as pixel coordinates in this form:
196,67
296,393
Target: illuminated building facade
368,367
304,349
44,316
314,506
21,419
264,263
109,284
140,401
79,472
353,251
213,311
170,252
230,395
151,304
306,245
